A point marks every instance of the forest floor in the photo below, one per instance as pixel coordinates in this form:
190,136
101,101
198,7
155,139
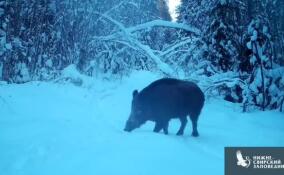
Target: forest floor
51,128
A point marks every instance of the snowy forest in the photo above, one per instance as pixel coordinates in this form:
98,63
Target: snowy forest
238,45
68,69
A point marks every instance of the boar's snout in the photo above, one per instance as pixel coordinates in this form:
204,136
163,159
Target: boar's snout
131,124
127,129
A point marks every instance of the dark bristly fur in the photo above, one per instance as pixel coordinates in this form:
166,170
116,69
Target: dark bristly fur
163,100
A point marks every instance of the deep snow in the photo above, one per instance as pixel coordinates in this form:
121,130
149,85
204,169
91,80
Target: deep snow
59,128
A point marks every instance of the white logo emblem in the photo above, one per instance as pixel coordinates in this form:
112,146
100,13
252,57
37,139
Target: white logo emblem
241,161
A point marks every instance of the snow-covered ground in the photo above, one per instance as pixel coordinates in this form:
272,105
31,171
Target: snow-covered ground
59,128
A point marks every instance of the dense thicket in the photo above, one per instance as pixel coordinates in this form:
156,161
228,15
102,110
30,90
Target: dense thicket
38,38
243,41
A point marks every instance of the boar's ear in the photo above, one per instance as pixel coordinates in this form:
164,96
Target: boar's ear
134,93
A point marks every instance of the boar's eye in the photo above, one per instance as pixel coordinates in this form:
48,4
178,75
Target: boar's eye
131,119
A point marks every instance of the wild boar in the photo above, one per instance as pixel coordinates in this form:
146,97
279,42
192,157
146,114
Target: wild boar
164,100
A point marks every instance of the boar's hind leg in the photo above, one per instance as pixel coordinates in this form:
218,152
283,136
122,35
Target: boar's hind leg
183,121
194,119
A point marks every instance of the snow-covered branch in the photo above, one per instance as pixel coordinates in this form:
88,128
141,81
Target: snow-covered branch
126,34
163,23
115,22
161,65
175,46
127,37
147,25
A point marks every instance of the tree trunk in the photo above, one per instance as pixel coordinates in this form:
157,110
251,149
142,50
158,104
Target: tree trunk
262,75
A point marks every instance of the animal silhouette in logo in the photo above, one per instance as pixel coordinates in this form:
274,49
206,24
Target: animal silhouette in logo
244,162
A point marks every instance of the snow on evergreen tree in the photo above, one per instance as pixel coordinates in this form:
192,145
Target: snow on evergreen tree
29,37
196,13
265,84
223,35
228,49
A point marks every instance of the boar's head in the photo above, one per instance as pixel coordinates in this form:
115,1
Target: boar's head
136,118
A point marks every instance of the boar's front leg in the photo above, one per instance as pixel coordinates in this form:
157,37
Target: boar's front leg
165,127
162,125
183,121
158,126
